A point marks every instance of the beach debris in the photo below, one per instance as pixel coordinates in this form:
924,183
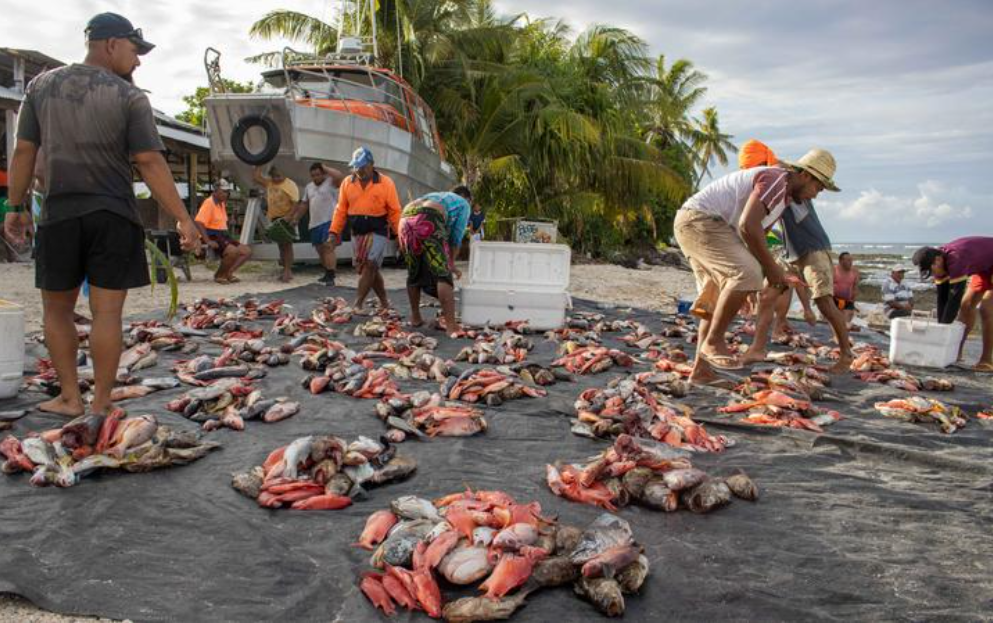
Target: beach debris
487,539
92,442
591,359
641,472
492,386
426,414
322,472
638,406
770,407
949,418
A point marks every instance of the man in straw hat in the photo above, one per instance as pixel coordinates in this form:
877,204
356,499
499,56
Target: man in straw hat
808,249
722,231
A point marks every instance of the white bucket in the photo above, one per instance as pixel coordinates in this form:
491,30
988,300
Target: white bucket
11,348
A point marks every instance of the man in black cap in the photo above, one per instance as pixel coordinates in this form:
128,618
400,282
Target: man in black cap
89,123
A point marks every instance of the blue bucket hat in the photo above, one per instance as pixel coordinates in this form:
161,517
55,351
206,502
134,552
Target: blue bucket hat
361,157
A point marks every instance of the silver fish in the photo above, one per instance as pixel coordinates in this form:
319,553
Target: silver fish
162,382
39,451
90,464
605,532
413,507
295,453
466,564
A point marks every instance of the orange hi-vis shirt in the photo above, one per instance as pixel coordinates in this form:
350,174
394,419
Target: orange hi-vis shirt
211,215
378,198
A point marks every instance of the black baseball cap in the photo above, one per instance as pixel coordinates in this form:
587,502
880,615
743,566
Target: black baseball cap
114,26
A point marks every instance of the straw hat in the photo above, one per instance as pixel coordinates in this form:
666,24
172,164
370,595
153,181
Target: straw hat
819,163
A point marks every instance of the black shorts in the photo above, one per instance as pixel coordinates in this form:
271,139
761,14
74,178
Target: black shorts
105,248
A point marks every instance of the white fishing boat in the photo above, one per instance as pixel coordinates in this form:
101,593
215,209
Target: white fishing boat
320,109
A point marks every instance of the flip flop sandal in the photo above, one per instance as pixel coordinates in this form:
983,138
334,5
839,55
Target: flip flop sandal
983,367
724,362
221,280
234,280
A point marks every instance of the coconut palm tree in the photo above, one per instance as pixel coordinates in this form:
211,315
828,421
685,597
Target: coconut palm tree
671,94
709,143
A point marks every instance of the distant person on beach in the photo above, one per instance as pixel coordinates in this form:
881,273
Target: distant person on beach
368,203
91,123
722,231
476,221
431,232
212,220
320,196
282,195
846,285
898,298
963,268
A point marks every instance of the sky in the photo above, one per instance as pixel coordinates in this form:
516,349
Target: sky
900,91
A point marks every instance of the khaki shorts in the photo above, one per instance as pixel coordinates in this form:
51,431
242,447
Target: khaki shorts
718,257
818,271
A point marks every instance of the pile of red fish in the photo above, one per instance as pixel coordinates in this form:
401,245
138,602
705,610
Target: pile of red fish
332,311
488,385
636,406
656,477
510,549
229,403
321,472
94,442
770,407
226,314
592,359
428,414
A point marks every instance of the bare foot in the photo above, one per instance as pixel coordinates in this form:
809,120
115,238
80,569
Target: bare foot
753,356
416,322
843,366
61,406
286,277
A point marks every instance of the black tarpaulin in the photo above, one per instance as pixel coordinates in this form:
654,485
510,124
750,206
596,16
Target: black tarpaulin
874,519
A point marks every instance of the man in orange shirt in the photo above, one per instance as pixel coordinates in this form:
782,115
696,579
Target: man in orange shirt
369,205
212,221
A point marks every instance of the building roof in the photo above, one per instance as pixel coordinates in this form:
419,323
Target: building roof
32,56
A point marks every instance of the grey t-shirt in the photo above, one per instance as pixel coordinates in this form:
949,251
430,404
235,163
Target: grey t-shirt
88,123
803,232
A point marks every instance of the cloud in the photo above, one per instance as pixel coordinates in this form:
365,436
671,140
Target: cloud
936,212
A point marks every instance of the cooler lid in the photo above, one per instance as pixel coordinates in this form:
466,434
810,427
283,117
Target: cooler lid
520,266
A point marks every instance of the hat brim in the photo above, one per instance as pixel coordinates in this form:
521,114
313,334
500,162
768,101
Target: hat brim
144,47
828,182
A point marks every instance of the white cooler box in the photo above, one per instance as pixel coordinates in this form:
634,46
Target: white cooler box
11,348
921,341
511,281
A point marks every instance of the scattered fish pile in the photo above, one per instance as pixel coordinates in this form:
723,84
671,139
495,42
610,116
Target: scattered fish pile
322,472
770,407
333,311
158,335
92,442
229,403
422,365
249,347
575,336
677,366
521,327
509,548
869,359
228,315
655,346
901,379
291,325
358,380
507,348
808,382
401,345
635,406
656,477
317,352
796,339
386,323
425,413
921,409
598,323
985,414
492,386
204,370
591,359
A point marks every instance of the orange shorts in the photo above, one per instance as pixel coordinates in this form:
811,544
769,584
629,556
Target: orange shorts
981,283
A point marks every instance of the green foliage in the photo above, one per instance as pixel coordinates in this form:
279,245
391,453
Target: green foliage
587,129
159,260
194,113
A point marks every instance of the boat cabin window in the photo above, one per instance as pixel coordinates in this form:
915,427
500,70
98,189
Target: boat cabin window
349,84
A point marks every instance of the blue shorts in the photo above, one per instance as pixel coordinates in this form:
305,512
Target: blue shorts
320,234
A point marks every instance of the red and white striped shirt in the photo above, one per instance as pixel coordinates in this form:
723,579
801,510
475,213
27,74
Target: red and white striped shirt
726,196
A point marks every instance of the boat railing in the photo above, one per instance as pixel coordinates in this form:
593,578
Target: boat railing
420,118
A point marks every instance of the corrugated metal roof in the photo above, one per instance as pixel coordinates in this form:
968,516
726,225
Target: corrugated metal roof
189,138
10,94
34,56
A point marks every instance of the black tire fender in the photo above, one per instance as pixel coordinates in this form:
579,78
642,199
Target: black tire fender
272,139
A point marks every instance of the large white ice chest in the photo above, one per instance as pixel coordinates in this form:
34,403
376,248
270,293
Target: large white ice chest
511,281
924,342
11,348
